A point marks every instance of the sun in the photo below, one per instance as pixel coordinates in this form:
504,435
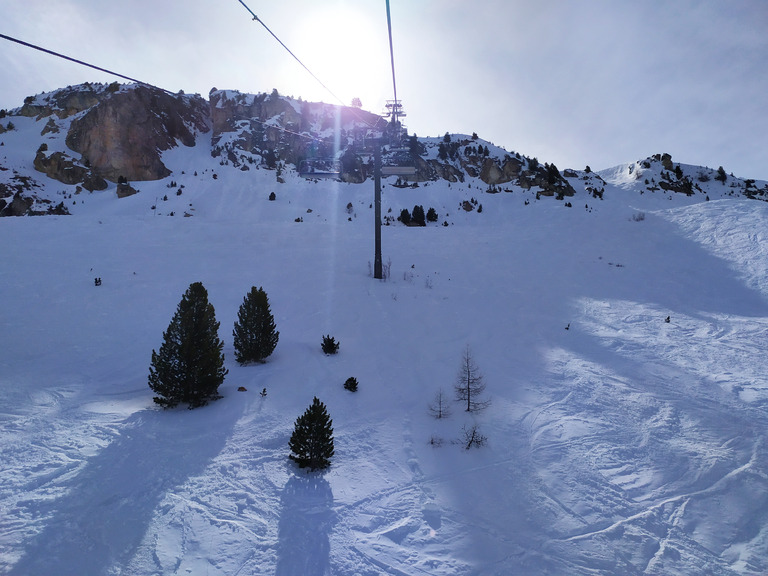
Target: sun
346,47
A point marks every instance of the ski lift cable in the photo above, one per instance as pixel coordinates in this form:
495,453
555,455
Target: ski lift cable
260,21
339,100
123,76
392,57
135,80
82,63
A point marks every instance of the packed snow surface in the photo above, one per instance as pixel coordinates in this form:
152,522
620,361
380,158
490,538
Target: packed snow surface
617,442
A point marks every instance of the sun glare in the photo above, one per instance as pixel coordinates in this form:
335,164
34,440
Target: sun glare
348,51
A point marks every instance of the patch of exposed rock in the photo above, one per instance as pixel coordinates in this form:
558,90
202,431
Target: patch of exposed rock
263,130
65,102
62,167
124,189
17,198
126,131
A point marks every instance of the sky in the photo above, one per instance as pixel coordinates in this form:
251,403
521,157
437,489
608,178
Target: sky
574,83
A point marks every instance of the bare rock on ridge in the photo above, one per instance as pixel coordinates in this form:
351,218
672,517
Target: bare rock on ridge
125,133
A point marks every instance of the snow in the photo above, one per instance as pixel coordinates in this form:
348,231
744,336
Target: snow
621,445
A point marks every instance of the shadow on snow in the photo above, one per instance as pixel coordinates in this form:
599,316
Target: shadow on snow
306,519
101,520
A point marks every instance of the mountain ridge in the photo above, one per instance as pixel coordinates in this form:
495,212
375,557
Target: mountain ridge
94,136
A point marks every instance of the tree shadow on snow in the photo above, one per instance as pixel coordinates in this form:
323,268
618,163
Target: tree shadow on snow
306,518
99,523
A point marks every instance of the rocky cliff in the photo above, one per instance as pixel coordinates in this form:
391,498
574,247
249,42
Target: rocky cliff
116,130
125,134
99,133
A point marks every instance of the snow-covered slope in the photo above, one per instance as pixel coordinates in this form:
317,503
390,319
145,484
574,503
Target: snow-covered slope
618,442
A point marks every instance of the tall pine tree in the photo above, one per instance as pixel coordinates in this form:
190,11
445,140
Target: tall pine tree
189,368
255,333
311,443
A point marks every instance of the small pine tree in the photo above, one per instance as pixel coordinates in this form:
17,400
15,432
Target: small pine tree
311,443
255,334
431,215
351,384
418,217
405,216
189,368
329,345
721,175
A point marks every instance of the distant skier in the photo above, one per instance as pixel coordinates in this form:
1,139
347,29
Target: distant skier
263,393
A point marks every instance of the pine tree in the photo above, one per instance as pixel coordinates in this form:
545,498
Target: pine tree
329,345
189,368
721,175
311,443
418,217
255,334
469,383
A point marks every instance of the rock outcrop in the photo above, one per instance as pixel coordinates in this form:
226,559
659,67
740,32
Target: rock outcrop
121,132
124,134
67,170
18,198
266,129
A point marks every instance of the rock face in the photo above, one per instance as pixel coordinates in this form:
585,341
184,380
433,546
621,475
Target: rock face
265,129
120,133
18,198
125,132
67,170
64,103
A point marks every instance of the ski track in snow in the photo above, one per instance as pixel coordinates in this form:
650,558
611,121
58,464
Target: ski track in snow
622,445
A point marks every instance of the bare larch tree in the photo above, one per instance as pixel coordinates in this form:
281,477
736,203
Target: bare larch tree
469,384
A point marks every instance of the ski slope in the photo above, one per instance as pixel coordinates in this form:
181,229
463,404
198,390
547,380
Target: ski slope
618,443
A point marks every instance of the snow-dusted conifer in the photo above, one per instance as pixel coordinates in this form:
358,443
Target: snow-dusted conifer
189,368
255,333
311,443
